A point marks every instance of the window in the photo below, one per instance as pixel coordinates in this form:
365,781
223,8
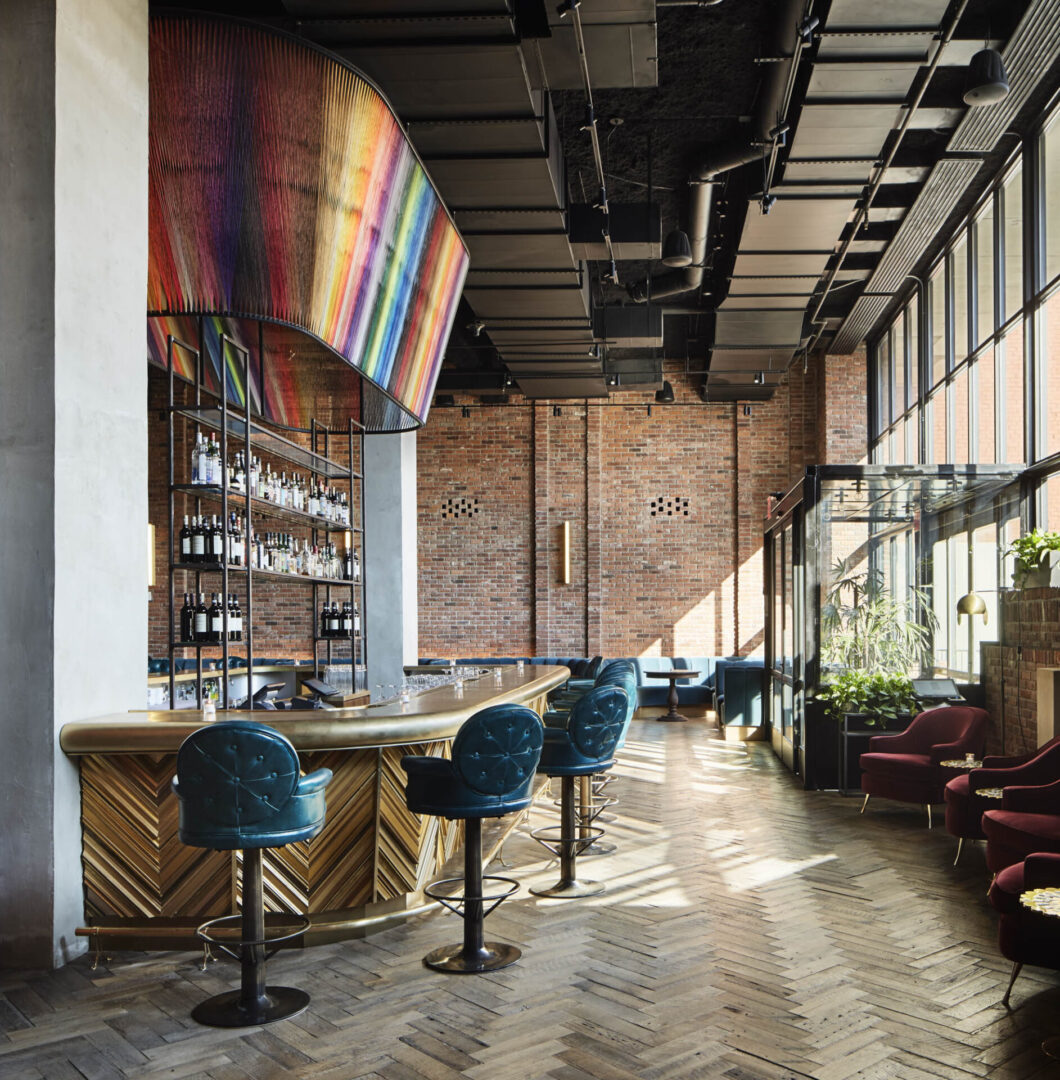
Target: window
1048,396
984,274
1011,391
938,325
986,409
1050,178
959,279
912,329
959,389
1012,203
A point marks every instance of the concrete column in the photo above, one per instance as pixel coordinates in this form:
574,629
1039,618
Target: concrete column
73,448
391,617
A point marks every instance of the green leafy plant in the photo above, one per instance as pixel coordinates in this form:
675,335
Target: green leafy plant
1030,551
879,696
865,627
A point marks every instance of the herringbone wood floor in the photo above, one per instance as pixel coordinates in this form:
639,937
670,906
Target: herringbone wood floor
750,931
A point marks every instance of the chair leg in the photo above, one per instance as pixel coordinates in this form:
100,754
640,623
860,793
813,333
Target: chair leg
571,841
960,844
253,1003
927,807
865,803
1016,969
473,954
588,814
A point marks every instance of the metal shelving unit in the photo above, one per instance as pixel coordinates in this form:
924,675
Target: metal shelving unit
255,438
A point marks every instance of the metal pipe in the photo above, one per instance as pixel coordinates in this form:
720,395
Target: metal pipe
777,85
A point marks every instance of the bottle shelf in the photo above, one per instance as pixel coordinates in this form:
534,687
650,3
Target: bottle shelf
340,637
267,442
267,508
301,579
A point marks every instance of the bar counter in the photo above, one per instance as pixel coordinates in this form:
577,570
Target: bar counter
145,889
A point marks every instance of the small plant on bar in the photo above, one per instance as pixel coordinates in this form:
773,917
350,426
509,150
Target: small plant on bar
1031,552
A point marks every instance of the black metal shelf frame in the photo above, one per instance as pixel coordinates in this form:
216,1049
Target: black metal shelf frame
238,423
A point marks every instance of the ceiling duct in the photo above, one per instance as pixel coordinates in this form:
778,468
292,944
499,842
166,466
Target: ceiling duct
785,50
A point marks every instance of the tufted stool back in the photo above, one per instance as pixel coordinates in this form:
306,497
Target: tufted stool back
597,720
238,786
498,748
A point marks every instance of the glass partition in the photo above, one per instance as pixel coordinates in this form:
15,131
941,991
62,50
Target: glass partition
866,566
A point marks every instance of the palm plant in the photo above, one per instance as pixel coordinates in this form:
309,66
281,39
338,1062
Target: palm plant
865,627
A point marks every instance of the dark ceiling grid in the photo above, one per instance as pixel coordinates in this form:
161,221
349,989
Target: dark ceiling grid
491,95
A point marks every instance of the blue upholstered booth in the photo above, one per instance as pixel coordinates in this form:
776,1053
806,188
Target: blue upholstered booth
584,746
741,703
494,759
239,787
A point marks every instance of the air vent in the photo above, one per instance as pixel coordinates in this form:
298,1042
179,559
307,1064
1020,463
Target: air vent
670,506
460,508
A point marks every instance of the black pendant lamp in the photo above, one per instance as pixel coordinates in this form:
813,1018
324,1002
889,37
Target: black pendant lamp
665,396
677,251
986,81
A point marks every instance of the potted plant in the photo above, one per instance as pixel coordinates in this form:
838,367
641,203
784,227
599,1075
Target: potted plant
877,700
1032,568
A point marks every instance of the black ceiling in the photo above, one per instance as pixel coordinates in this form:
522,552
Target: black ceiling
530,302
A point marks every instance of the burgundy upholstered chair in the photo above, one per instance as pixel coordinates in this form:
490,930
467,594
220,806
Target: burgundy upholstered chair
965,809
906,768
1023,936
1028,821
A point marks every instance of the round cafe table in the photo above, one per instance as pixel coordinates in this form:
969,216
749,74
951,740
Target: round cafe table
672,714
1045,902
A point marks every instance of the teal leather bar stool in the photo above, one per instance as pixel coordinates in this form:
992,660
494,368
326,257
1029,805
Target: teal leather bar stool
240,788
494,758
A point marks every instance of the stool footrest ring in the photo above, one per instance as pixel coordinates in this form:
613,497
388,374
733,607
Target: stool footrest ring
551,837
455,901
202,932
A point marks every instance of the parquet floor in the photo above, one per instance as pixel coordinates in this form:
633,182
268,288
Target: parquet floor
750,931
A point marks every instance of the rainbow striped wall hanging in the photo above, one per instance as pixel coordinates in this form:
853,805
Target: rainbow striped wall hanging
283,191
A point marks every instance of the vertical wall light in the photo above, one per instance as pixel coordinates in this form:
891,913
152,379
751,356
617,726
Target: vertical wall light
150,555
565,551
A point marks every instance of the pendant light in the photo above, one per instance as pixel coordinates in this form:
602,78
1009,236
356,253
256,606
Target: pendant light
986,81
677,251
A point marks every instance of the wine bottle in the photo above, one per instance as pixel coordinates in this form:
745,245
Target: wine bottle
216,620
237,630
198,541
324,619
333,620
356,619
185,543
217,540
346,622
187,619
202,620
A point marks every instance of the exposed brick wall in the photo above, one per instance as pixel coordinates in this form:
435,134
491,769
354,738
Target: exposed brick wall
668,585
284,612
1030,633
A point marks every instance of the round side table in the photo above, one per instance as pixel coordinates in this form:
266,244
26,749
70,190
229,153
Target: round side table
1045,902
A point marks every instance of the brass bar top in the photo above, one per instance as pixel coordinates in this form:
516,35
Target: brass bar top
429,715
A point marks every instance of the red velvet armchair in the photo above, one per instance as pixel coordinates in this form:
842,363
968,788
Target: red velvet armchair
1028,821
1026,937
965,808
906,767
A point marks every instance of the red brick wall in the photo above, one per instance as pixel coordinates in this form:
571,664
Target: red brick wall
1030,639
284,613
640,585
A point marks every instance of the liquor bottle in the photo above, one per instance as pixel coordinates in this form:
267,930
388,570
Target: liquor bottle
199,458
334,621
198,541
185,543
202,620
187,619
217,472
217,540
235,619
239,480
235,540
324,619
356,566
216,620
356,619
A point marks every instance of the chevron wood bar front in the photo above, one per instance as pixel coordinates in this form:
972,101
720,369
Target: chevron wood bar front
145,889
750,931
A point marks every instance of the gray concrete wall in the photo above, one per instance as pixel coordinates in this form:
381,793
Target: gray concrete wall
390,556
73,448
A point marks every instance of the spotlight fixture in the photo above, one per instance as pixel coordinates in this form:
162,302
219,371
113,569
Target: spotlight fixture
665,396
465,412
677,251
556,410
614,380
760,378
589,122
476,327
779,134
767,203
747,410
986,81
444,401
807,27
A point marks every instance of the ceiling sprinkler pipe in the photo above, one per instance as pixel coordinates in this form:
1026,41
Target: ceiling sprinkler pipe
726,156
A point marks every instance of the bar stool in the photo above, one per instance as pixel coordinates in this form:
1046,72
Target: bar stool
239,788
494,757
584,746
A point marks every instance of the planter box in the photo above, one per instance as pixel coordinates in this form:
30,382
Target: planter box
1045,576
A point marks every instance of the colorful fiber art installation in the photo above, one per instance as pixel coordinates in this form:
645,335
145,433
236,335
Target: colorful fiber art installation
283,191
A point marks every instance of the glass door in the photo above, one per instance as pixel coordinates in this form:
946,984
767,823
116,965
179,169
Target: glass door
784,660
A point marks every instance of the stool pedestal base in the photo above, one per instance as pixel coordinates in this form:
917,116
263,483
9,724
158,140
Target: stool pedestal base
230,1010
571,890
454,959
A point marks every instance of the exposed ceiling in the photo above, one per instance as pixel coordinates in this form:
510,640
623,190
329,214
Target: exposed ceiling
812,171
